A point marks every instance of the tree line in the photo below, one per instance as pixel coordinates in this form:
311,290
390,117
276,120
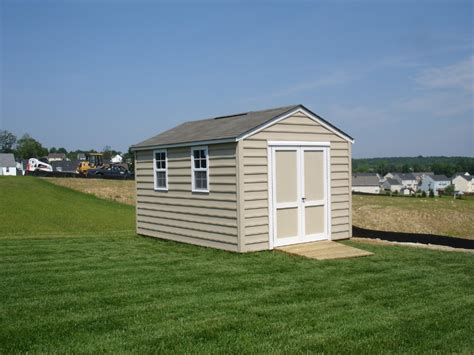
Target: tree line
28,147
438,164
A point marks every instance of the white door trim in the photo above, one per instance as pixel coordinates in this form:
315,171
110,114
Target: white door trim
301,147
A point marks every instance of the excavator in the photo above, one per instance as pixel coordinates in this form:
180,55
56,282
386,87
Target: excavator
93,161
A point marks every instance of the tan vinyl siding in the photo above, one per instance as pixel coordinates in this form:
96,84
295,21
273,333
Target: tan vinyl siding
207,219
255,186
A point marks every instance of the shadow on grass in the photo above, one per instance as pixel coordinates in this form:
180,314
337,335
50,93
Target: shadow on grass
413,238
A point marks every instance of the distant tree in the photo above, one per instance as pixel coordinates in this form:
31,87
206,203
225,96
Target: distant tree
107,152
449,190
53,150
423,193
7,141
62,150
28,147
431,193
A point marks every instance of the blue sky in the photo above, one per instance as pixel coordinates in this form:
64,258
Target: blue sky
396,75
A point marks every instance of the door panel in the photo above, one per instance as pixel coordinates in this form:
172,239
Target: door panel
314,220
313,175
286,176
287,222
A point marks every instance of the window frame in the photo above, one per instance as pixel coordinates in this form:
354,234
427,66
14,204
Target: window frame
194,169
155,170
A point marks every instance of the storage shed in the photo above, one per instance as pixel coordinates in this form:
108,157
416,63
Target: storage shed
246,182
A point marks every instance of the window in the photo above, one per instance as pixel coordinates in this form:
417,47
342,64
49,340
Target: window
160,163
200,169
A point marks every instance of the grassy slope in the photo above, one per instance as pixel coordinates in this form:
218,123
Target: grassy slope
111,292
34,206
443,216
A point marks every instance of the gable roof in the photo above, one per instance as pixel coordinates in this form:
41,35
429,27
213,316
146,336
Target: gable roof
228,128
406,176
466,176
439,178
365,180
7,160
393,181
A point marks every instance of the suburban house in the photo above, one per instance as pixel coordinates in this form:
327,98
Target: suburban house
246,182
408,181
436,183
419,175
366,183
7,164
463,182
391,184
56,157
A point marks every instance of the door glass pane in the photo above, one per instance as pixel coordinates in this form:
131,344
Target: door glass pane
314,175
287,222
314,220
286,176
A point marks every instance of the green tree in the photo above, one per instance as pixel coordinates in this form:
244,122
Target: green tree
28,147
7,141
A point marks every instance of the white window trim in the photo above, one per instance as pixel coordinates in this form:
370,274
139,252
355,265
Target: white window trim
155,180
193,169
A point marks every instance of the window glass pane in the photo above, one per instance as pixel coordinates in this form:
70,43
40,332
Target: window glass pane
203,153
196,154
203,163
161,179
196,164
200,180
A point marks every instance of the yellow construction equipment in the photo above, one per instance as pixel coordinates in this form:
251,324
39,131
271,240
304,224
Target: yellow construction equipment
93,161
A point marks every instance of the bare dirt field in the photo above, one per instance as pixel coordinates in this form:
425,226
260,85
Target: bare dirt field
443,216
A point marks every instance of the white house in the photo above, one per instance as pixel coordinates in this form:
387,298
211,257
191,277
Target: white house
408,181
116,159
392,185
463,182
436,183
366,183
7,164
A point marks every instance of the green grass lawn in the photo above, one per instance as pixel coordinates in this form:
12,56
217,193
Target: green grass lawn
105,290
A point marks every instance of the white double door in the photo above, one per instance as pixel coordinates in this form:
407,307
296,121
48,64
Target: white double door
300,184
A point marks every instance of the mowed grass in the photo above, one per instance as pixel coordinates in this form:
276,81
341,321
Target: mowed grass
32,207
116,292
442,216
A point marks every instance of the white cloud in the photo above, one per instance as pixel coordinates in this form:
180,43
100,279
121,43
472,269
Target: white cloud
456,76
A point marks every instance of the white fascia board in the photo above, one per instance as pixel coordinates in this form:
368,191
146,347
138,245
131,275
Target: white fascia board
288,114
188,144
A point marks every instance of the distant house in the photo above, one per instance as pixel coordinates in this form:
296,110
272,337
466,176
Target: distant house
7,164
116,159
408,181
420,174
463,182
366,183
56,157
81,156
391,184
436,183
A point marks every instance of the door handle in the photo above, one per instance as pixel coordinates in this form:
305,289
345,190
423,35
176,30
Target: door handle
303,199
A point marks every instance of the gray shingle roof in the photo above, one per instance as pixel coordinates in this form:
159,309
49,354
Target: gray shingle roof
219,128
440,178
365,180
393,181
7,160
